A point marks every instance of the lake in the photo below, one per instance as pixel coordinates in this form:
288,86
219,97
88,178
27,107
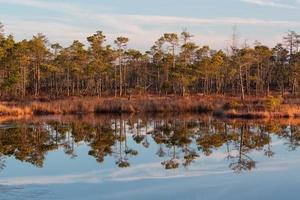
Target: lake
148,157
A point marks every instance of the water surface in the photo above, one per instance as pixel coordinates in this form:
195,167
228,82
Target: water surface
178,157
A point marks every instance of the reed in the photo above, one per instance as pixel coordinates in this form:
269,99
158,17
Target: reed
220,106
6,110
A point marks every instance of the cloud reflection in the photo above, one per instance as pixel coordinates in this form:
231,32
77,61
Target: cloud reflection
141,172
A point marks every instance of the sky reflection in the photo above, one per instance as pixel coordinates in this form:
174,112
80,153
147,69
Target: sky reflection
87,157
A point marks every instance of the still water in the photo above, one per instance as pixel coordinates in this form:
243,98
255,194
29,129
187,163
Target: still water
178,158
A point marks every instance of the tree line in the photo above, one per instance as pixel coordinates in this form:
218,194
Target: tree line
173,65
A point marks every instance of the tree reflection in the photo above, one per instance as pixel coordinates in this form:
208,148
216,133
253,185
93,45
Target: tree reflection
124,150
292,133
242,162
2,162
27,143
101,141
179,142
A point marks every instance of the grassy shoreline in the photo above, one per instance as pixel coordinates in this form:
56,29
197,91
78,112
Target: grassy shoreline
217,105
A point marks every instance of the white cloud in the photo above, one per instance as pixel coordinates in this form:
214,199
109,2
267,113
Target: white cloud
118,20
270,3
163,20
41,4
55,31
64,7
143,30
139,28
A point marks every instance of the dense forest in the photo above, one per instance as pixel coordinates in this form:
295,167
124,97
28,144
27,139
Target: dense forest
173,65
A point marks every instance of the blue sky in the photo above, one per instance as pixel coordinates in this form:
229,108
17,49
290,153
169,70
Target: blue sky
143,21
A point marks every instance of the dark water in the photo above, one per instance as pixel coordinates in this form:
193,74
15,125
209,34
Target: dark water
179,158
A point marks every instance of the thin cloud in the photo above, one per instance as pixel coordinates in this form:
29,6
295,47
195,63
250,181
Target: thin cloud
142,30
28,28
163,20
78,22
63,7
270,3
39,4
121,21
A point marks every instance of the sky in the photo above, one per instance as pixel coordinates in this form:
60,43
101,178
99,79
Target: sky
143,21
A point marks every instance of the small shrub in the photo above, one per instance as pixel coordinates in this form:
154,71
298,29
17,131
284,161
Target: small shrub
166,86
40,112
273,103
231,105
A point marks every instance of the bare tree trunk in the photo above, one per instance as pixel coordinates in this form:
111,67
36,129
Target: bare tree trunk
241,83
68,84
120,74
174,59
24,81
36,78
115,81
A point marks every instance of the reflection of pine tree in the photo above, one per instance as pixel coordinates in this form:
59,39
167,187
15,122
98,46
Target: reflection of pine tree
242,162
178,136
146,143
227,136
173,163
2,162
210,137
189,157
160,152
101,141
292,133
124,150
179,142
268,152
69,145
26,142
138,136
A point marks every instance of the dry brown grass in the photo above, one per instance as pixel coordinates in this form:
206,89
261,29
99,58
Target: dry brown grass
221,106
160,105
257,109
288,111
234,114
59,107
14,111
123,105
107,118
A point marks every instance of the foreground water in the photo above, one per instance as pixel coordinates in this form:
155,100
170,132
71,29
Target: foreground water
148,158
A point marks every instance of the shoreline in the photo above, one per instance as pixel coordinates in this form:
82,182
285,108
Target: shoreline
215,105
94,119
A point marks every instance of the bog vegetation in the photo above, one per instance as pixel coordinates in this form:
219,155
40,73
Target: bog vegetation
173,65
